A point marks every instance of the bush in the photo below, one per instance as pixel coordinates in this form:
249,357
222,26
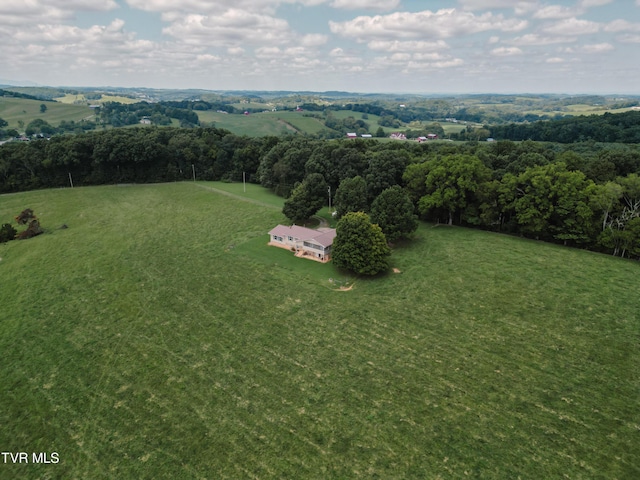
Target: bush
7,232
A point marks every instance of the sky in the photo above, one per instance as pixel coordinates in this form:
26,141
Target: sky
383,46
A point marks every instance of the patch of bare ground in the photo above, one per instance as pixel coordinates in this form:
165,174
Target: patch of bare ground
345,289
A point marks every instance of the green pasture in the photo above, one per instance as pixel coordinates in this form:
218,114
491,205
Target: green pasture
14,110
254,125
158,336
81,99
264,123
248,192
301,123
252,105
71,98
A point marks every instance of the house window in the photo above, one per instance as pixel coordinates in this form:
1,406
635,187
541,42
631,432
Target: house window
290,238
278,239
313,245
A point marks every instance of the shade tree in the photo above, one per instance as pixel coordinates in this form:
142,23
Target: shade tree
360,246
351,196
393,211
451,183
306,198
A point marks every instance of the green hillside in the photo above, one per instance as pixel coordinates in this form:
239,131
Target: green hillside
15,110
158,336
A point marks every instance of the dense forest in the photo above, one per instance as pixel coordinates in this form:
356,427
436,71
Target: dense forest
619,127
585,194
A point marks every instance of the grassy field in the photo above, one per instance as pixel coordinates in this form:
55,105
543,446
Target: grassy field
254,125
81,99
14,110
158,336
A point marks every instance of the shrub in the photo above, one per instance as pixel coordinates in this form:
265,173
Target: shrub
7,232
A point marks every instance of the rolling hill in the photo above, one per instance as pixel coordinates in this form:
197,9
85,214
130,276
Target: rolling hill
158,336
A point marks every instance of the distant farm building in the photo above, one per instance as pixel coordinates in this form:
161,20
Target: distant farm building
352,135
305,242
398,136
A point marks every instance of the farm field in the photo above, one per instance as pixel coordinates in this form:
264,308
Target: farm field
14,110
81,99
158,336
254,125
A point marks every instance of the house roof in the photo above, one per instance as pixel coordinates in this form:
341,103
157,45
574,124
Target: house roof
322,236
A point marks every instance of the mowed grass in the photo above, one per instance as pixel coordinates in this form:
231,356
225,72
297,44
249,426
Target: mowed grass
159,337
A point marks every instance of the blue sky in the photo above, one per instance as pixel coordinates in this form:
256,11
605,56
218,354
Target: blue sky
457,46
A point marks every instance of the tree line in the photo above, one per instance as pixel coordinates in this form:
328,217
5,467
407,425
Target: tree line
613,128
585,195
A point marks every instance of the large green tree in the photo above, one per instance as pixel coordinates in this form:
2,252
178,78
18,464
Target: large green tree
351,196
306,199
360,246
392,210
451,183
550,203
385,170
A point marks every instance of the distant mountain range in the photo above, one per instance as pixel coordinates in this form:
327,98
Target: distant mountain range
17,83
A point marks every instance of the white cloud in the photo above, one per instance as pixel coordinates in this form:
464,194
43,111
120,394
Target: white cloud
430,57
597,48
232,28
629,38
314,40
506,51
366,4
555,60
621,26
431,66
554,12
207,58
593,3
520,7
442,24
172,8
536,39
68,34
46,11
406,46
571,27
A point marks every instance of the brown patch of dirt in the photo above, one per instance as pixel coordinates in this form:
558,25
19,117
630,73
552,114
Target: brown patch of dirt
396,270
344,289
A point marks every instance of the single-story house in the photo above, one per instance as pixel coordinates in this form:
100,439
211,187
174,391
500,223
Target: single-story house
352,135
305,242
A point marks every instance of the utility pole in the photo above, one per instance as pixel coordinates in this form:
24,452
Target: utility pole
193,168
70,180
244,184
329,198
